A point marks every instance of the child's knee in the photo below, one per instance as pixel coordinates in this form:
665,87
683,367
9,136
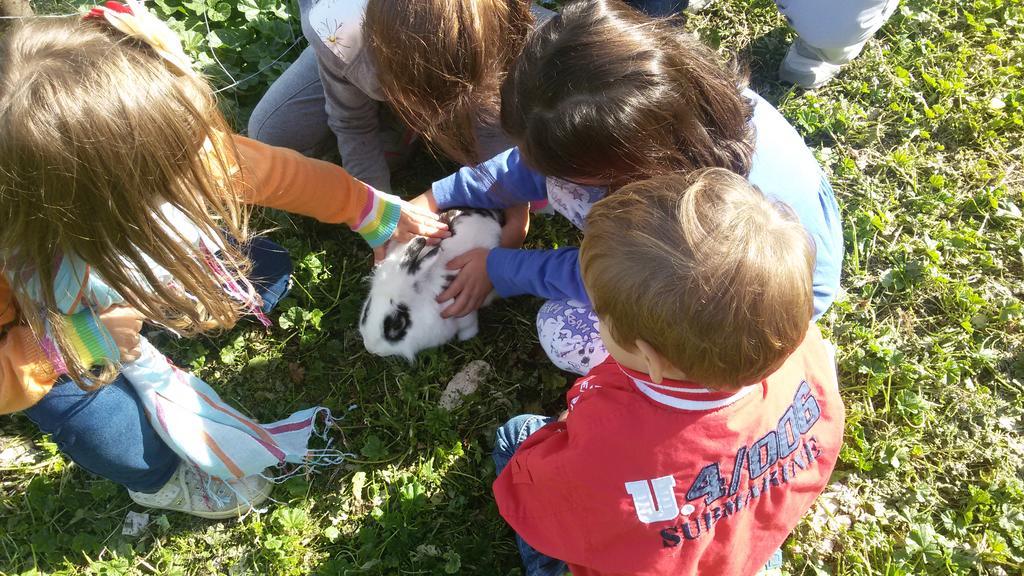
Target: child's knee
271,271
515,432
108,434
569,334
122,454
556,318
268,125
258,120
504,437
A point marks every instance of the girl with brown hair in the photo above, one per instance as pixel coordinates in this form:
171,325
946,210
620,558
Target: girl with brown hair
602,96
123,190
437,64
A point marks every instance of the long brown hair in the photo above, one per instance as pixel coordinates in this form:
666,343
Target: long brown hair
441,62
603,92
96,133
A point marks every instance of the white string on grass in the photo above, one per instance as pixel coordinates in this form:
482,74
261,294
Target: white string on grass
213,51
261,70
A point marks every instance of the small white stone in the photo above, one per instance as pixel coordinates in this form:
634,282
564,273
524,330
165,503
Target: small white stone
134,524
465,382
16,451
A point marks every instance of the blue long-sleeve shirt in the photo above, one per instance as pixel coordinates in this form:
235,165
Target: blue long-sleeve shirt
783,168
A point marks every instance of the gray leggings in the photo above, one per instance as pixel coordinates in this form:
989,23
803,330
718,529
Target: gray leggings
293,114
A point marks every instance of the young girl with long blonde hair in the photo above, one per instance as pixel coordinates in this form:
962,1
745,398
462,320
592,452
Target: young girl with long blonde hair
122,197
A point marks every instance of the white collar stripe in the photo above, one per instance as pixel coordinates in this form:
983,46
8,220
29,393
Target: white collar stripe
683,404
679,390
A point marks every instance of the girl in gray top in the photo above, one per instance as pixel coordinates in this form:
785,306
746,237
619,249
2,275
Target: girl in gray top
438,63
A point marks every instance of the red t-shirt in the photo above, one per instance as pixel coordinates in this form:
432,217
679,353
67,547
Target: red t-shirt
672,478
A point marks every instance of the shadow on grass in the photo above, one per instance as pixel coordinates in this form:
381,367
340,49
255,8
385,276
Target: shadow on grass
761,58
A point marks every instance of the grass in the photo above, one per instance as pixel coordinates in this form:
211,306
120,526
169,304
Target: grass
922,139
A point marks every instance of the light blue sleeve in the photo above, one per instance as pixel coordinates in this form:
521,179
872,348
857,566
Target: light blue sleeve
500,182
75,288
785,169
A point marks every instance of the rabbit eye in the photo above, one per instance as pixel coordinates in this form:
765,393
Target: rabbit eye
396,324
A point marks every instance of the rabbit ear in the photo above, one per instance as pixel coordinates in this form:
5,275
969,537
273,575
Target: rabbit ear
416,254
450,215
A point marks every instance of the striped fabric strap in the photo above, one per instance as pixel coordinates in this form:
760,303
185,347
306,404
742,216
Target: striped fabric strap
379,218
89,339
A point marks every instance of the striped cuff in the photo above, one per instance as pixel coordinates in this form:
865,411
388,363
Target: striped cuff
379,218
89,339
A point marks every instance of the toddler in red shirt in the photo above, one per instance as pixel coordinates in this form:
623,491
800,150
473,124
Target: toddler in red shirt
700,443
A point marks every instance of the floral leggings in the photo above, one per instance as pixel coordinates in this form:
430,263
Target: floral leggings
570,335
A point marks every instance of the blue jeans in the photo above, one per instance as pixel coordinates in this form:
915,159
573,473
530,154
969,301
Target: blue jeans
659,7
508,439
106,431
271,272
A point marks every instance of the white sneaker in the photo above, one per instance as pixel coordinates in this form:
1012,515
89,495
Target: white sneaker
192,492
803,67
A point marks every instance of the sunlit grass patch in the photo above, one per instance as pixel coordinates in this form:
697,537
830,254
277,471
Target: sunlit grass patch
922,138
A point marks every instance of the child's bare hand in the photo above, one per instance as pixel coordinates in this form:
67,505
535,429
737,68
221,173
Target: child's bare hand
125,326
517,225
414,221
417,221
472,285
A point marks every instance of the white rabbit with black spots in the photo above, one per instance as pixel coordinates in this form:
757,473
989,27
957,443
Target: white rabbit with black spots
401,316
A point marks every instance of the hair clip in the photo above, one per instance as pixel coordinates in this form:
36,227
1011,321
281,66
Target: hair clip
98,12
134,20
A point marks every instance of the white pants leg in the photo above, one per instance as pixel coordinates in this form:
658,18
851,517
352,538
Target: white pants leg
831,33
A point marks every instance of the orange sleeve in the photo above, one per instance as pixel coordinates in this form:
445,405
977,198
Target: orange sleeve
25,373
284,179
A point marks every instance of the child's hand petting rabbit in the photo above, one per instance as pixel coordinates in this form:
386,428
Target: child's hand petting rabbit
471,287
414,221
403,313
